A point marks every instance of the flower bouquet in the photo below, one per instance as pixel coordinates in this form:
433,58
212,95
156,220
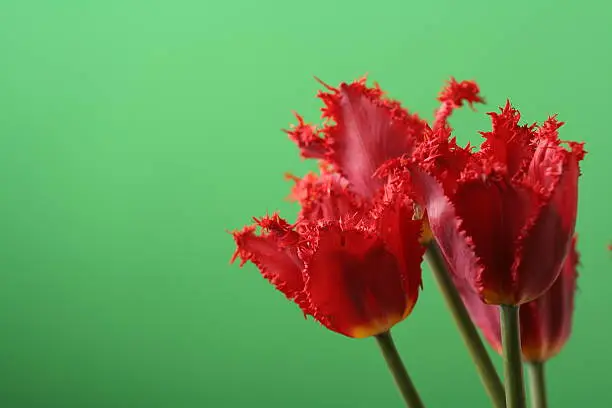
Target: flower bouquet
496,225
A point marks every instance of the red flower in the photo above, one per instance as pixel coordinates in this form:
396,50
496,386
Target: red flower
358,275
504,216
352,259
545,323
362,130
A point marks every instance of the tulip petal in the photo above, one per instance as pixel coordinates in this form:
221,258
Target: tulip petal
546,322
402,236
507,144
367,131
547,237
441,156
354,283
493,214
308,138
452,96
455,246
275,254
324,197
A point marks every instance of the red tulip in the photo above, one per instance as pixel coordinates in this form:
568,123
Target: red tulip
362,130
352,259
504,216
545,323
357,272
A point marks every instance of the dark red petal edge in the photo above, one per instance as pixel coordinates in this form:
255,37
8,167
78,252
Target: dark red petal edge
456,246
275,251
452,96
554,175
362,129
508,147
324,196
308,138
401,230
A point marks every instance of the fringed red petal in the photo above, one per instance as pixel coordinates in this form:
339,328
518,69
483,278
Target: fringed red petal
456,246
456,93
402,231
546,238
452,96
308,138
547,159
364,130
275,253
508,146
324,197
441,156
354,283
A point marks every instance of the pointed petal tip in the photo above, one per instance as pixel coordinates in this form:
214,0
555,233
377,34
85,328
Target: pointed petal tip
291,177
456,93
453,95
327,86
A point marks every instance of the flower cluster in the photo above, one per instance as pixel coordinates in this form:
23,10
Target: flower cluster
352,259
391,185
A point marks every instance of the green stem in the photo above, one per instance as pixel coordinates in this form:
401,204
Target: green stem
397,368
513,368
488,375
538,385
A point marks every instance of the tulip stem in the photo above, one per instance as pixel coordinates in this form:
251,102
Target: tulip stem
513,368
467,329
397,368
538,385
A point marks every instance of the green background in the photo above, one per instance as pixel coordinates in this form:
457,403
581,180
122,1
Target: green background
133,134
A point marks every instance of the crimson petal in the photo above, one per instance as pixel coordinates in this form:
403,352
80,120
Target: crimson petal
324,197
402,234
354,283
275,253
455,246
493,214
546,241
546,322
368,130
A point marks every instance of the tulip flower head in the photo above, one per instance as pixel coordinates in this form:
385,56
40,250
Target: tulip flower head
504,216
357,275
352,259
362,130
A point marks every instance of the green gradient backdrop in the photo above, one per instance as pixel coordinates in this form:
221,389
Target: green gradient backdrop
133,133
